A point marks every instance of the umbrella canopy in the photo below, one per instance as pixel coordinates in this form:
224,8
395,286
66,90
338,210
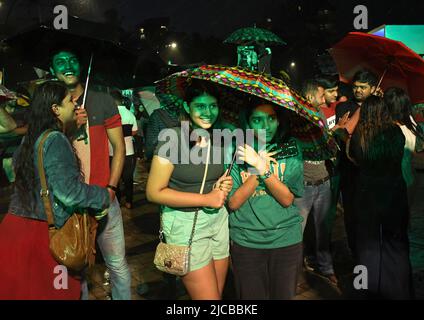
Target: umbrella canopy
253,35
235,83
112,64
391,60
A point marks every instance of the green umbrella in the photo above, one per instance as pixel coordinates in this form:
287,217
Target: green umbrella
252,35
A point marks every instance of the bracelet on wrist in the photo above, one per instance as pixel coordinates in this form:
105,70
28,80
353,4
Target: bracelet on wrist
266,175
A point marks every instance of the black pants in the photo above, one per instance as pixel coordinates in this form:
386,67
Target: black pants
382,245
266,273
386,257
127,178
347,188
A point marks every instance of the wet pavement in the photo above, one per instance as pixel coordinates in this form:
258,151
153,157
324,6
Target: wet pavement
141,225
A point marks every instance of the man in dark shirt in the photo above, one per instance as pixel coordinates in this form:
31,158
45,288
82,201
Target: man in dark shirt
364,85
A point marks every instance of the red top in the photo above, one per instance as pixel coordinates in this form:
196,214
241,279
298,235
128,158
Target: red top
102,115
330,114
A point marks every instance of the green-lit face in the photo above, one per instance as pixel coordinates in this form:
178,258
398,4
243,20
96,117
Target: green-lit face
66,67
264,117
203,111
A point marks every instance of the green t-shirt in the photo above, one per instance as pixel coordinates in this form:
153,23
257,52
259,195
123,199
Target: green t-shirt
261,222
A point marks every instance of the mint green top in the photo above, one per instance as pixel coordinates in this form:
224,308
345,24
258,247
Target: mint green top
261,222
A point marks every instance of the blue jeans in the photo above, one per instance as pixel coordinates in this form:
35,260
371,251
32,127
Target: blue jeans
111,241
318,200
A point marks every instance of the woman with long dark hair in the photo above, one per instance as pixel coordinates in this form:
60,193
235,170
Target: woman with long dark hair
265,224
381,204
28,270
400,109
176,177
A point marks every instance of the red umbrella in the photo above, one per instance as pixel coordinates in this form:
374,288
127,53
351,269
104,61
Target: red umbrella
391,60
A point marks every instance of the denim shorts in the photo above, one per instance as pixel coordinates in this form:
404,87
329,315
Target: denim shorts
211,235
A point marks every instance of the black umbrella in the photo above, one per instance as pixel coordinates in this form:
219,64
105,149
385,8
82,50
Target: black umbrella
113,65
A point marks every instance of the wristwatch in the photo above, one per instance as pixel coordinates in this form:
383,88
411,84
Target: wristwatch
266,175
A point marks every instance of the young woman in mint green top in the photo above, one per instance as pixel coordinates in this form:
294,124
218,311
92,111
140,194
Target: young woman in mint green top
265,225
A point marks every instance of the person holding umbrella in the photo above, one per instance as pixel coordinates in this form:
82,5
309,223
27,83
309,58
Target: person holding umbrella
364,85
175,186
239,89
104,124
265,224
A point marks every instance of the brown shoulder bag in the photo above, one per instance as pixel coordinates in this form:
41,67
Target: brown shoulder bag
73,245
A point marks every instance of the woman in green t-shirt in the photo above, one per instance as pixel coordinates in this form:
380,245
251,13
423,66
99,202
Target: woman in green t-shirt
175,179
265,225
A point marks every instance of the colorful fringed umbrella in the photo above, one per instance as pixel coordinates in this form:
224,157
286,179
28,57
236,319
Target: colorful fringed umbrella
253,35
235,83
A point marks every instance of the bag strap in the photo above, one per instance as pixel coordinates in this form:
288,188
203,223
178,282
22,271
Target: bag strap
197,211
201,192
44,192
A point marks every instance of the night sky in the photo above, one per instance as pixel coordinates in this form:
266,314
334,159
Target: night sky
208,17
219,18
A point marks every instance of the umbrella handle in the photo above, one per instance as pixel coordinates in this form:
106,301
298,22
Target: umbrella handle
232,163
86,81
382,77
85,96
390,60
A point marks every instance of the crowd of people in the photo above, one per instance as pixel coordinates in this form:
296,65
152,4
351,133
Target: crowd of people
249,216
